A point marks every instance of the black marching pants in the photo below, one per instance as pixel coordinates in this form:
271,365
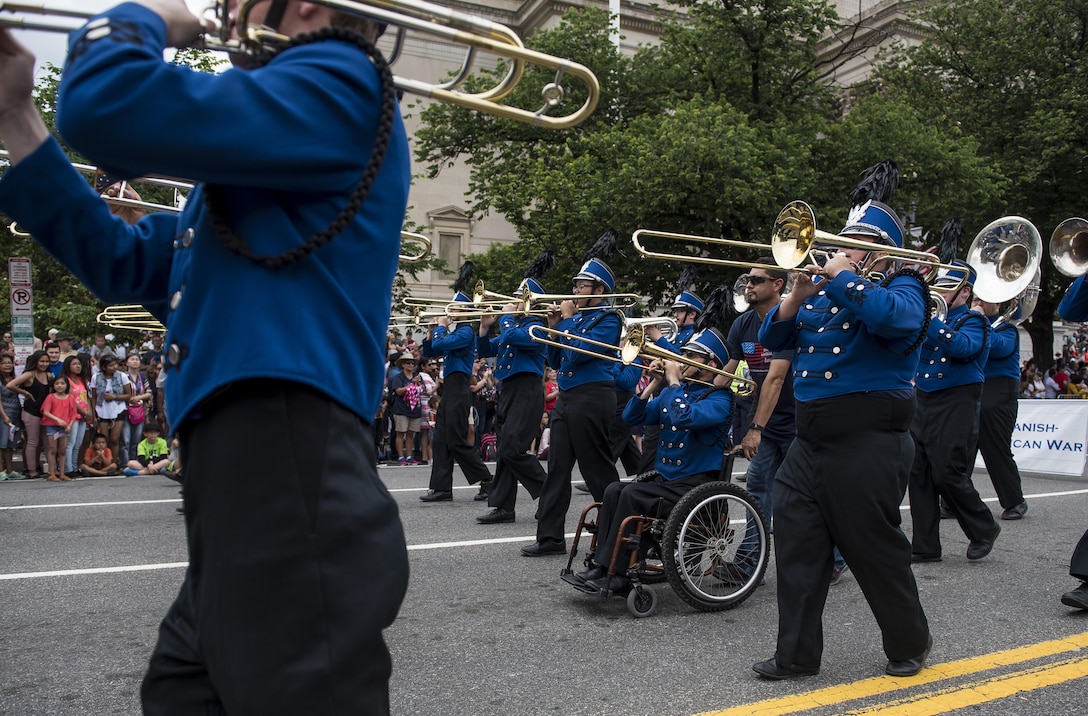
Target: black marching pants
451,437
996,421
1078,565
297,562
624,447
517,425
841,484
945,431
581,424
655,498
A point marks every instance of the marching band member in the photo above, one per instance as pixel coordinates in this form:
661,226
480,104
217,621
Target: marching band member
945,429
695,416
843,478
520,367
686,309
456,342
997,413
1074,307
277,548
582,417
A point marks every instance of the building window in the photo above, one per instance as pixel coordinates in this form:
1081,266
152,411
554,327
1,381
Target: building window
449,250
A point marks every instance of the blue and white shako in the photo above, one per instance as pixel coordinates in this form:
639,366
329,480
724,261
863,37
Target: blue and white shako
950,278
875,219
708,342
597,270
532,284
688,301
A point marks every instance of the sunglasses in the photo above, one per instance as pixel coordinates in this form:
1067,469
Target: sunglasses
756,280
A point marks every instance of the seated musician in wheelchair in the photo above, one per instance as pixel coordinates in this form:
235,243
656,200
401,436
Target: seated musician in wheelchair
694,417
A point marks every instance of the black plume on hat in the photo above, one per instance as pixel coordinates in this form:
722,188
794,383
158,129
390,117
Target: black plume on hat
464,277
541,265
603,247
948,246
717,308
878,182
687,279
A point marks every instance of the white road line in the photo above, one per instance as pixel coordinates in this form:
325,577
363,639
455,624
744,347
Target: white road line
91,504
411,548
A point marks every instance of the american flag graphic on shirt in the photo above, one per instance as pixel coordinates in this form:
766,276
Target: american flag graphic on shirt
757,357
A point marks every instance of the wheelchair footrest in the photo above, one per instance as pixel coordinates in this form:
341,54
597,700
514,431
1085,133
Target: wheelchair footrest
578,584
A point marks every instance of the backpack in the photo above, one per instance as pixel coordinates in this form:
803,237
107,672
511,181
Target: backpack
489,447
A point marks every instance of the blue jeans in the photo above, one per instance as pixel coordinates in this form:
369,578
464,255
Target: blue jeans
131,435
761,471
72,458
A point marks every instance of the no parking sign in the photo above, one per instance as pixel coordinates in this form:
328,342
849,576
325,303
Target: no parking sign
22,301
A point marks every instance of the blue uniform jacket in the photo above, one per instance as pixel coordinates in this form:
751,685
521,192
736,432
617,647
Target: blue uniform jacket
457,346
514,350
694,422
1074,305
955,351
573,368
1004,359
626,377
851,336
683,335
288,142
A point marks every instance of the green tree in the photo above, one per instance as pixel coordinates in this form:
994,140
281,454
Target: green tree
1011,78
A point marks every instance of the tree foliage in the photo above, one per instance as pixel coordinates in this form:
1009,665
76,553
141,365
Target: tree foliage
728,118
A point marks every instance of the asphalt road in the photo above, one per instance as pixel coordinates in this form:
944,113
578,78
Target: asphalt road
484,630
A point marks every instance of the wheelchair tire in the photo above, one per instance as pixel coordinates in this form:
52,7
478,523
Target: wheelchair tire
715,547
641,602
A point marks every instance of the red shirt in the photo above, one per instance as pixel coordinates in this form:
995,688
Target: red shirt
63,408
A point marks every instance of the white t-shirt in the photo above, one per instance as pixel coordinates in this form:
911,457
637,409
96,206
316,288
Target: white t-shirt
111,409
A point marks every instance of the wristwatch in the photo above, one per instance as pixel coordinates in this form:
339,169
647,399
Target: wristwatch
756,426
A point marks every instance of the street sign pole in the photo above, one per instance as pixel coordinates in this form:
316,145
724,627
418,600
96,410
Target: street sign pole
21,297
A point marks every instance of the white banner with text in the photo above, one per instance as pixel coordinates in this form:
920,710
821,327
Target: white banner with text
1049,436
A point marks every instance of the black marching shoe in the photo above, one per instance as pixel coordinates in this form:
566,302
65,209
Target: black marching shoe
617,583
436,496
917,558
496,516
1077,598
539,549
770,669
980,548
594,572
485,490
909,667
581,487
1016,512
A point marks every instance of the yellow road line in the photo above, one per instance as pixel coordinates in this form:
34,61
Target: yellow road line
886,684
981,691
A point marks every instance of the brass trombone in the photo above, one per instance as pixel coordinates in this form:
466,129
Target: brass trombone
432,21
633,345
638,236
1069,247
179,203
132,317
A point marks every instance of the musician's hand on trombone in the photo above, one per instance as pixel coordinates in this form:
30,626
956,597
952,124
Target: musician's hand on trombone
653,333
443,321
568,309
835,264
487,319
182,27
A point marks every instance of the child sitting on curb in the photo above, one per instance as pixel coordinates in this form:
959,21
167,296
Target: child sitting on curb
152,454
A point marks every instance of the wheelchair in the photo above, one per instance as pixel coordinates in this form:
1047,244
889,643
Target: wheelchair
712,548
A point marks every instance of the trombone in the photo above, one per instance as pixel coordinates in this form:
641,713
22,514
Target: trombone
793,241
131,317
179,203
432,21
633,345
638,236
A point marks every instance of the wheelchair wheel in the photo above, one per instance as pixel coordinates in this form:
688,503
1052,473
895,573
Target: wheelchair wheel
641,602
715,546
